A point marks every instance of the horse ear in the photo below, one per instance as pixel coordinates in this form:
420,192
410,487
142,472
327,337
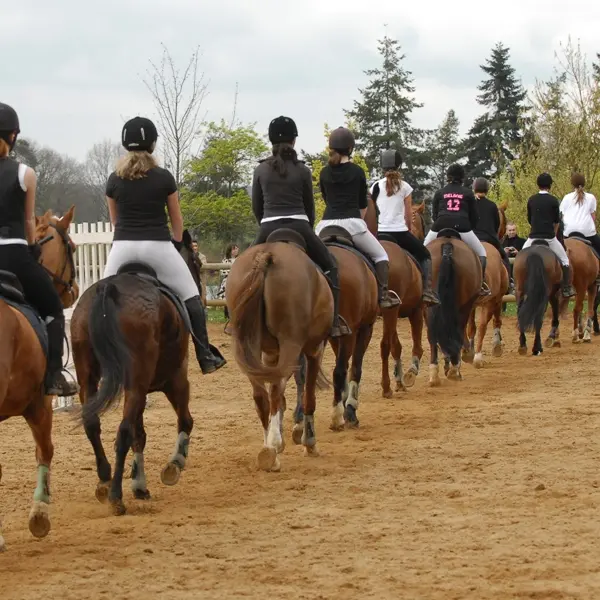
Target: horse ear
67,218
44,220
420,207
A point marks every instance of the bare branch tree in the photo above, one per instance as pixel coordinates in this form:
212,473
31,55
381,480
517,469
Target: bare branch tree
178,98
99,164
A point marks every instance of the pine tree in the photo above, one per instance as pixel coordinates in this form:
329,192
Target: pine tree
596,68
495,135
382,117
444,148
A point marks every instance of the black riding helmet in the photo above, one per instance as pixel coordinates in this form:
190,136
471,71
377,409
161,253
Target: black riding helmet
455,173
139,134
342,141
9,123
481,185
390,159
282,130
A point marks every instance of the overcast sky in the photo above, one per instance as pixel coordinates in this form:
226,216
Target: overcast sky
73,69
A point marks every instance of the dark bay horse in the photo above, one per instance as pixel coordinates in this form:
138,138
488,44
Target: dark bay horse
406,281
585,267
194,265
537,274
280,307
456,273
23,360
128,336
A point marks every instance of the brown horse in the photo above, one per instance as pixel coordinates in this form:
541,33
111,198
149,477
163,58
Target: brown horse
490,306
280,307
129,334
194,265
406,281
537,274
585,267
456,271
23,361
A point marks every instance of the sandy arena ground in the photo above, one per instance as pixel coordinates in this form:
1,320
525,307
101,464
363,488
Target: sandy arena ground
488,488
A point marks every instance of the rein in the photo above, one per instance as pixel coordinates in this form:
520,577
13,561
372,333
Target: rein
68,262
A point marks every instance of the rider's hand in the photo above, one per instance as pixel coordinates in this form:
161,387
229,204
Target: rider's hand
178,245
35,250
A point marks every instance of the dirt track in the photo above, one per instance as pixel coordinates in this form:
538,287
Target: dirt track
488,488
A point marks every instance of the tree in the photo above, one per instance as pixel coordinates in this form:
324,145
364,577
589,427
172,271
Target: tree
596,68
178,98
495,136
227,159
25,152
100,162
444,148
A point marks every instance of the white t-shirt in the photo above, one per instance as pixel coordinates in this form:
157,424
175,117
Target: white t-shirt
578,217
391,208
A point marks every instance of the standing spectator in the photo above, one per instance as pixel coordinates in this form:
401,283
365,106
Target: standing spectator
231,253
512,243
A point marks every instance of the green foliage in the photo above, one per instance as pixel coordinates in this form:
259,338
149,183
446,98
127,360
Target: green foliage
227,159
444,148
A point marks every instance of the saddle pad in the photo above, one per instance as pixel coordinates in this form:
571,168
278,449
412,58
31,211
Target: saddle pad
352,249
34,320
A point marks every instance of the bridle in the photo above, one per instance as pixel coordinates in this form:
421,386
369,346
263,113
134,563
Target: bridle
68,262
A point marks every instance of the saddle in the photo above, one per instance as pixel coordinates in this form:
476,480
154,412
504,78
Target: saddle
576,235
147,273
449,233
11,292
386,237
338,237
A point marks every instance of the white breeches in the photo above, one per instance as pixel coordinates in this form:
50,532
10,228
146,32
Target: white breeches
468,237
555,246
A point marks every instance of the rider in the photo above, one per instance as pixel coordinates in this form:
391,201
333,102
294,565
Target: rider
137,193
454,207
578,210
393,196
543,214
282,198
19,252
344,188
489,223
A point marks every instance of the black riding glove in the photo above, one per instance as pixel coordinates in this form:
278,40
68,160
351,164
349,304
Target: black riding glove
35,250
178,245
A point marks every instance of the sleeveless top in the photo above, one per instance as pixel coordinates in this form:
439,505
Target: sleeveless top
12,201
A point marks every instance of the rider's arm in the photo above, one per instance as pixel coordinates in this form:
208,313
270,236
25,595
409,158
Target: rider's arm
110,201
258,200
496,219
435,206
529,211
30,181
308,197
473,214
175,216
408,211
363,191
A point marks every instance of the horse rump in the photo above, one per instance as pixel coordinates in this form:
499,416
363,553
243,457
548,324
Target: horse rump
531,310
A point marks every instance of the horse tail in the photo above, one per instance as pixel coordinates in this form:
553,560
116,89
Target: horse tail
535,294
248,324
444,317
109,347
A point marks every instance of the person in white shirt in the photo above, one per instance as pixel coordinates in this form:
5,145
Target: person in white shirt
393,198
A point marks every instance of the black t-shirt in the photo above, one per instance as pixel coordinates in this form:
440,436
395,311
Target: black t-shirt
454,208
489,218
344,189
12,201
141,205
543,213
514,242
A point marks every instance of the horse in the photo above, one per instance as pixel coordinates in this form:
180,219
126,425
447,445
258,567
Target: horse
537,274
456,271
194,264
281,311
406,281
497,278
131,334
585,267
23,356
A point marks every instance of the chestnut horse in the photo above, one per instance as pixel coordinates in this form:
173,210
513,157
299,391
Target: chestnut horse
497,278
585,267
537,274
406,281
23,360
131,334
280,307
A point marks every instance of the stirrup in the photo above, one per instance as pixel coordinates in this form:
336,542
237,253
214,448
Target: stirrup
485,289
343,327
390,301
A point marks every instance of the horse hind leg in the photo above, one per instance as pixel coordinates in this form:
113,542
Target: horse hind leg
362,343
485,315
497,336
138,475
344,349
300,379
468,352
416,328
587,332
309,439
387,343
553,341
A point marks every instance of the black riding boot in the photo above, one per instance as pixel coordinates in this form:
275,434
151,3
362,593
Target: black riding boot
56,383
209,358
429,295
385,300
337,329
485,290
511,281
567,288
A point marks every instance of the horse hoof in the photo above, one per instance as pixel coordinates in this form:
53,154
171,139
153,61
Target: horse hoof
556,344
39,522
297,434
409,378
551,342
523,350
497,351
478,364
267,458
587,339
141,494
102,491
311,451
537,352
468,357
350,416
435,383
170,474
576,340
281,447
118,508
387,394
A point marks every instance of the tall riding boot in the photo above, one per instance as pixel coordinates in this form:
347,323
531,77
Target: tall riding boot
55,383
385,300
209,358
511,281
567,289
485,290
429,295
338,329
